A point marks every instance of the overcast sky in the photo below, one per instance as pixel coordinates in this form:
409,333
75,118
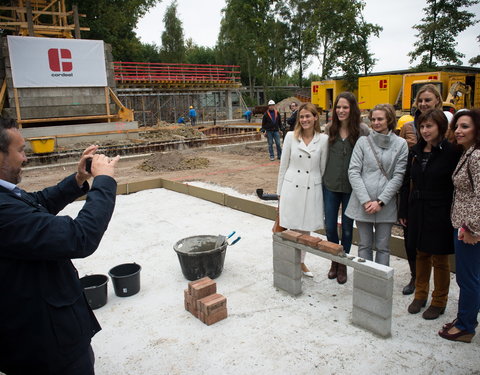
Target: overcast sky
201,22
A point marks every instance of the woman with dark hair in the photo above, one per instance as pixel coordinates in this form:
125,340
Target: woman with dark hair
427,98
376,173
343,132
300,176
426,199
466,221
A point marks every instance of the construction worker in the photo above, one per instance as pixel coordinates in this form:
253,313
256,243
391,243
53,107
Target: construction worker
271,125
193,115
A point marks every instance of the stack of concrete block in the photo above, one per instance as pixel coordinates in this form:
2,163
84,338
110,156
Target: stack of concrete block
373,298
372,282
203,301
287,274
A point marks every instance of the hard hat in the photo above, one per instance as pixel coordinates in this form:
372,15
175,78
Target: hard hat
271,102
448,115
191,106
403,120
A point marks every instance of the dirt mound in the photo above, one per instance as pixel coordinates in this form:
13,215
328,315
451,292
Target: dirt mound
284,105
172,133
173,161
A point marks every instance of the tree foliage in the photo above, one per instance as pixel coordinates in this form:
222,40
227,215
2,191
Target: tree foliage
114,21
195,54
173,43
475,60
300,33
443,21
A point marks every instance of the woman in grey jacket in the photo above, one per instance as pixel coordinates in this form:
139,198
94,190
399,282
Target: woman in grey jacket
376,172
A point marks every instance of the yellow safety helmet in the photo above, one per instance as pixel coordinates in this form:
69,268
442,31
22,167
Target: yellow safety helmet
403,120
191,107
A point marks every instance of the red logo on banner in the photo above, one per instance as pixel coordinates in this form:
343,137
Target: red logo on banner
57,57
382,84
315,89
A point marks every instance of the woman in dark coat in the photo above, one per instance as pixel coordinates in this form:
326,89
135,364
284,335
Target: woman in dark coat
426,198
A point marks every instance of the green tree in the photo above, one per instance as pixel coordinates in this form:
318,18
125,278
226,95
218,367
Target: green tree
173,44
342,36
475,60
443,21
195,54
113,21
300,33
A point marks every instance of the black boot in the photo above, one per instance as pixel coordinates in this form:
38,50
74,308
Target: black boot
410,287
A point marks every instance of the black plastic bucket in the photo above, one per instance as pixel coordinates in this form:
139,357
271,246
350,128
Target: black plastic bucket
199,256
126,279
95,287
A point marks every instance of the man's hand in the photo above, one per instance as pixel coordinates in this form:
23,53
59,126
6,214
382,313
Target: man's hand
103,165
82,174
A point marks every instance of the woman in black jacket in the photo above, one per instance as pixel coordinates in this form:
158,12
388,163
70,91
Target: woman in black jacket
426,198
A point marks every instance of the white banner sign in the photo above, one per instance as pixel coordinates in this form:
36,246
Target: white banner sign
51,62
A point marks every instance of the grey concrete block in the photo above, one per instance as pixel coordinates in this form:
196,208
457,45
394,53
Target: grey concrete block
371,322
288,269
378,306
282,251
291,286
372,284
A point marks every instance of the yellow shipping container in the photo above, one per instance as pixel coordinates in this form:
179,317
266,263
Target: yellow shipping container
375,90
323,93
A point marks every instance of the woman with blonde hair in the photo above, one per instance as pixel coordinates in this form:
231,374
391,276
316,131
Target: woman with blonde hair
302,166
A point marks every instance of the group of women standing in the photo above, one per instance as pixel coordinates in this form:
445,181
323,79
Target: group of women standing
362,171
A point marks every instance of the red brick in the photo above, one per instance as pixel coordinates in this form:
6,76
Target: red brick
309,240
290,235
203,289
209,304
213,318
330,247
195,282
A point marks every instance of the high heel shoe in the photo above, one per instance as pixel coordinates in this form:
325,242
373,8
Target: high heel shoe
462,336
305,270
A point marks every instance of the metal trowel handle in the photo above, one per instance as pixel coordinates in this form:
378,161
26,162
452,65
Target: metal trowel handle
266,197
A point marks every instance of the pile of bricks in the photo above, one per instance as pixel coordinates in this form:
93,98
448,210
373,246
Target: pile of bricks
203,301
315,242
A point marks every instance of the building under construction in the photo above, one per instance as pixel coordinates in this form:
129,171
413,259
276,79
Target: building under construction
70,88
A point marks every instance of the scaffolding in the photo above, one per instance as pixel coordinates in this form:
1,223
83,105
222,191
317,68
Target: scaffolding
152,106
47,18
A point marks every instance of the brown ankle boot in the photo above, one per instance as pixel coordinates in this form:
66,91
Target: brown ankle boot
332,274
341,273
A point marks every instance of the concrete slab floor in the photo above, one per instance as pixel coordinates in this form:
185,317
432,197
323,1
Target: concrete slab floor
267,331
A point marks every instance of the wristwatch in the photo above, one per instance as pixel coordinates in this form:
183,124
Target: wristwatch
380,203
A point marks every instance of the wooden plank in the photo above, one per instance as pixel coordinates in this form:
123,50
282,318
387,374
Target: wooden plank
17,107
51,119
76,21
107,101
3,94
29,18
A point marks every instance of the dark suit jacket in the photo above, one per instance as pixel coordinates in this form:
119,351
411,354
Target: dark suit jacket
45,320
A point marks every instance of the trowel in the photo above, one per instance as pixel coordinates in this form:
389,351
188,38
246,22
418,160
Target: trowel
222,239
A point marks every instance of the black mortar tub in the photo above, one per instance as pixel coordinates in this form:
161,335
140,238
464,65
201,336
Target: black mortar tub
199,256
126,279
95,288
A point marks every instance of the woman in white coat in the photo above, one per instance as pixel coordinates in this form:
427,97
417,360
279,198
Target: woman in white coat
303,161
376,172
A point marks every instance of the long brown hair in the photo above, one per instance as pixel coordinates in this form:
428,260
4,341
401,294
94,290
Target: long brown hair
353,119
298,130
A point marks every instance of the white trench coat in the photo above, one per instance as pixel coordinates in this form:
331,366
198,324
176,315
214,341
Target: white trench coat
300,182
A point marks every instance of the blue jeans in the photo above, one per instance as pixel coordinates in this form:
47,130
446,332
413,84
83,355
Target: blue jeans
331,205
271,136
467,262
